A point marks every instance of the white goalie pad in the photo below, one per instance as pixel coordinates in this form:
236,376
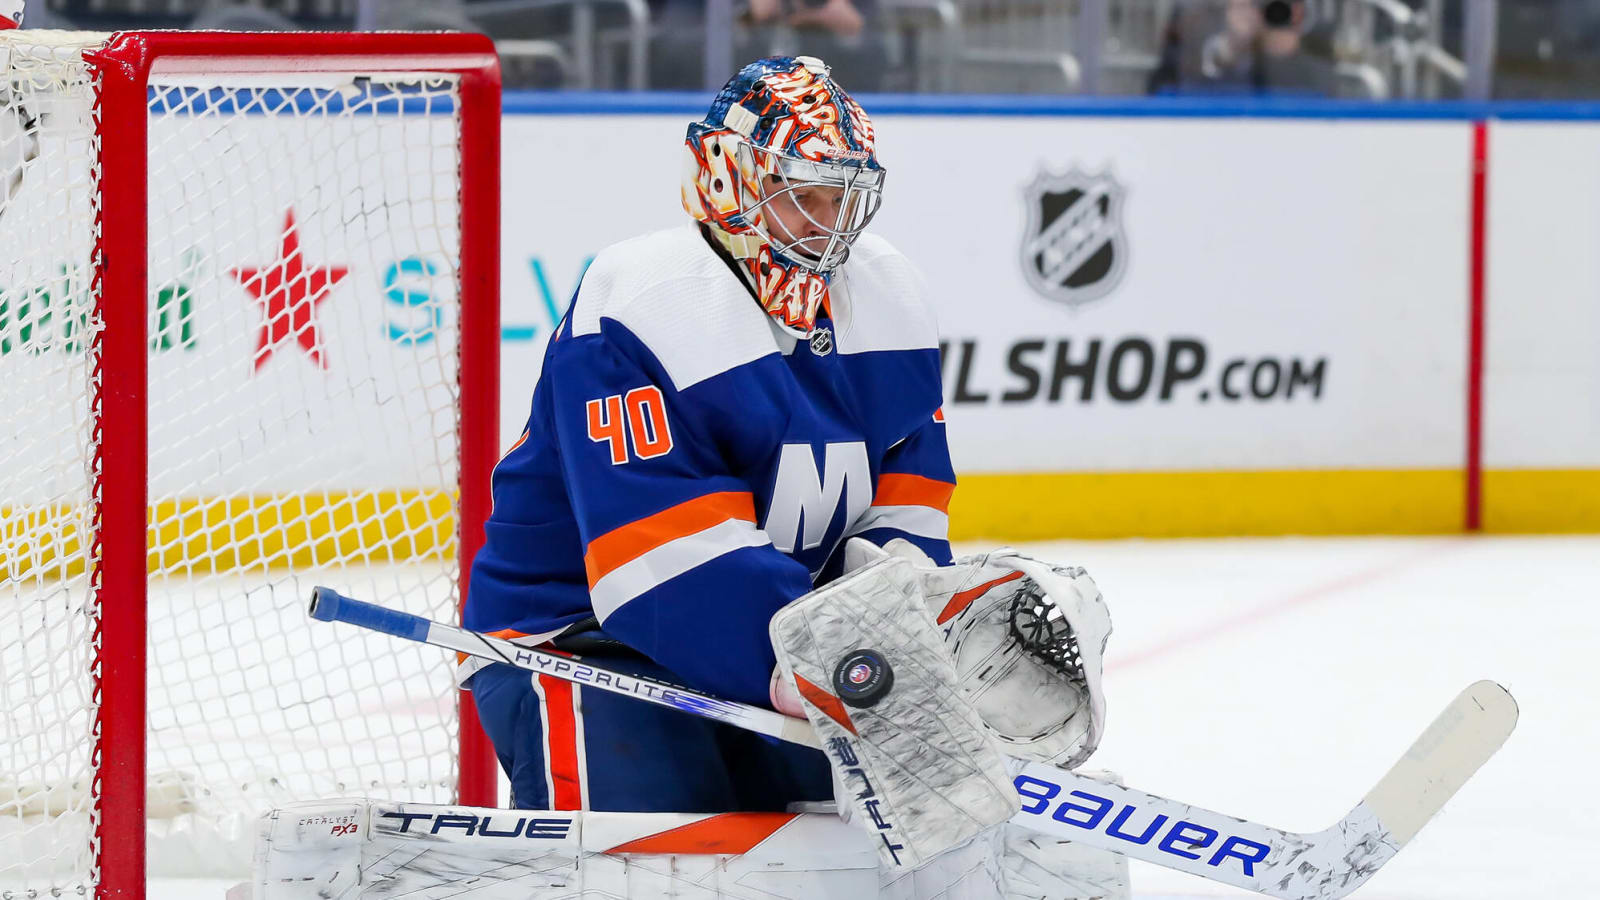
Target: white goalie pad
912,756
366,850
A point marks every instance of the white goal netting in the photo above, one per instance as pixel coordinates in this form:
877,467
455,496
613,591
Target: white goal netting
303,404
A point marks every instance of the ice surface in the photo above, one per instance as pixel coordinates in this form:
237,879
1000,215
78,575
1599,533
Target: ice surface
1278,679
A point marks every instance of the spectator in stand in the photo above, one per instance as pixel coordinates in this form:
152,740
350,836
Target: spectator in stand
677,45
839,31
839,17
1240,46
843,32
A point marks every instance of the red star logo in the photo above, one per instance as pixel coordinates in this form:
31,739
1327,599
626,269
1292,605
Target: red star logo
289,293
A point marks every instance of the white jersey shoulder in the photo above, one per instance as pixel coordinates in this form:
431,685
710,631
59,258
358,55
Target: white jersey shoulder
880,301
673,293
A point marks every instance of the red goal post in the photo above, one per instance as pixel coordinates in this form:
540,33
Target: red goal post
421,80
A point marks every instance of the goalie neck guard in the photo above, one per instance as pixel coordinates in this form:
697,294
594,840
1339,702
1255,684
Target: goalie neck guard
781,131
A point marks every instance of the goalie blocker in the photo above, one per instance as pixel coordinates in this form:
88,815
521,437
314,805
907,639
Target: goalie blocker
911,758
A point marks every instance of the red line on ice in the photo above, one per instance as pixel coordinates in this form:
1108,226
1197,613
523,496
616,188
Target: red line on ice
1264,611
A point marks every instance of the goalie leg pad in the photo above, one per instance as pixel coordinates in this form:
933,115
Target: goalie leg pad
913,757
367,850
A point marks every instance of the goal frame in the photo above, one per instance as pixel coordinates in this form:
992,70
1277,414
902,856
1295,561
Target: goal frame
123,68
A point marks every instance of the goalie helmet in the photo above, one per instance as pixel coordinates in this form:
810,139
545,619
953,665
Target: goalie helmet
780,130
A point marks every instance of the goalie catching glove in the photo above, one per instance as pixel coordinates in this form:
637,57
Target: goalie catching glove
1028,639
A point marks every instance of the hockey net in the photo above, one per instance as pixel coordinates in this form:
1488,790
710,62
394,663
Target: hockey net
297,388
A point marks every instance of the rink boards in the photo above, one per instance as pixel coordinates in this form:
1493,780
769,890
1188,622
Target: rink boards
1258,319
1200,321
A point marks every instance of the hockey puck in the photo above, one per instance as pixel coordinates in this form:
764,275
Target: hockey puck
862,678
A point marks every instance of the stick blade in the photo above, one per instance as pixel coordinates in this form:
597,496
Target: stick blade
1469,731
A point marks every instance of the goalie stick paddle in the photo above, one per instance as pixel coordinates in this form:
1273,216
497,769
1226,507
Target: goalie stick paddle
1068,806
1321,866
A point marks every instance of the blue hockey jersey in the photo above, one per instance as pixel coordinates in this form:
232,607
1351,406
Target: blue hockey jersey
690,465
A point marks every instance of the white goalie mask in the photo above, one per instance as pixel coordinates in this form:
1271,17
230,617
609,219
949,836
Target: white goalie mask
784,173
831,202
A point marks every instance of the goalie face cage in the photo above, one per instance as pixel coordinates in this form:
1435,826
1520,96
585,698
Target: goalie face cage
248,343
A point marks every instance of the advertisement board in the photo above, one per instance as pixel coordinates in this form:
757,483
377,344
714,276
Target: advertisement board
1150,325
1541,407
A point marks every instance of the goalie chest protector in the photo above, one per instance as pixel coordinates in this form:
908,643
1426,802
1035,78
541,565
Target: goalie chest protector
690,465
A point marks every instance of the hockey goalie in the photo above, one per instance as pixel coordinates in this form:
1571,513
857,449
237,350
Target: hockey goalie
735,477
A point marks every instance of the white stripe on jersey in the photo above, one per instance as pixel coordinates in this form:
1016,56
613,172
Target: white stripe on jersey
670,560
922,521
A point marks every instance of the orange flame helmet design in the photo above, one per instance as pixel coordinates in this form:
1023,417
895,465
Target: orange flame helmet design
781,126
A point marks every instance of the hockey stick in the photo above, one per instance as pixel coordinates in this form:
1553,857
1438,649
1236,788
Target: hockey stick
1069,806
328,605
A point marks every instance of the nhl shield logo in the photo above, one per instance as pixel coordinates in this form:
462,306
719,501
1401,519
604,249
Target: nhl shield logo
1074,250
821,341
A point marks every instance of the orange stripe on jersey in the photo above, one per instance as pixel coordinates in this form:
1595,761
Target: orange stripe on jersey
511,634
938,415
963,599
509,450
520,441
828,703
566,788
896,489
728,834
635,539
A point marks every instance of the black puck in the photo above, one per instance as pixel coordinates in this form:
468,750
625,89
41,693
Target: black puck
862,678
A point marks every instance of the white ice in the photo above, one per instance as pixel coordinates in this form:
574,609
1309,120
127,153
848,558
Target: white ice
1277,679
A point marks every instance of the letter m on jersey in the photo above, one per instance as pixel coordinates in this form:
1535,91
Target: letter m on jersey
805,501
